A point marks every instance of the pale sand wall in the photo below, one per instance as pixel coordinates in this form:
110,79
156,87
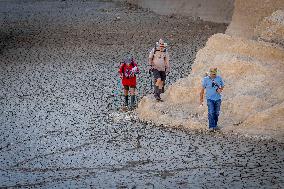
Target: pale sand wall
254,77
219,11
253,71
248,14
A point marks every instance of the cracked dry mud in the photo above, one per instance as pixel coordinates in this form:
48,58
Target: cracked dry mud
58,120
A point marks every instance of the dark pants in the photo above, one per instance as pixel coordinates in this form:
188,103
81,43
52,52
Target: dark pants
159,74
213,112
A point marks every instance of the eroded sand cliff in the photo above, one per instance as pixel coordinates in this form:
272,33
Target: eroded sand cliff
248,14
253,71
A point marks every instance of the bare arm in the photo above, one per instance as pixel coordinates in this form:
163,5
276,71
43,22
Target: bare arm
220,87
150,58
167,62
201,96
150,61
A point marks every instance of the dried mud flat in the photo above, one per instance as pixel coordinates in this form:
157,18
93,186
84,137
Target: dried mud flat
58,123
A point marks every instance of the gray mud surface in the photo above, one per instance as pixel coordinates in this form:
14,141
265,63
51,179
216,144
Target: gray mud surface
59,127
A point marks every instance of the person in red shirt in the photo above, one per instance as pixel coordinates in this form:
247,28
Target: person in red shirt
128,70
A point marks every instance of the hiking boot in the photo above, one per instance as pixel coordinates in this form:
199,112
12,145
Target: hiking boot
126,101
132,102
157,94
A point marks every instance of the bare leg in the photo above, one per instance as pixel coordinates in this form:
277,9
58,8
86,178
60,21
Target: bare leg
159,83
125,92
132,91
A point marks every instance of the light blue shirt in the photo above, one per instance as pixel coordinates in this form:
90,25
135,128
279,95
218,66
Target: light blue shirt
211,88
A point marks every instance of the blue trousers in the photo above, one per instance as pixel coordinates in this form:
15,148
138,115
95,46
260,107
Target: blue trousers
213,112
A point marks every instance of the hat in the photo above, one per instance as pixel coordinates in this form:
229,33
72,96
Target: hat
161,43
213,70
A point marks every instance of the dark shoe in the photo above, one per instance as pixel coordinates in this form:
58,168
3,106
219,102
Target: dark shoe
126,101
132,102
159,100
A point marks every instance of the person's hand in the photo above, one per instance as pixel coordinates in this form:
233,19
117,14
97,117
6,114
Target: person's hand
201,103
219,90
134,70
150,69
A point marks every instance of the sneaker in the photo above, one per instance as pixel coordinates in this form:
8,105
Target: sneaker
217,128
211,129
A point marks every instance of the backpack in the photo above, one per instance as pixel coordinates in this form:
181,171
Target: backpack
155,49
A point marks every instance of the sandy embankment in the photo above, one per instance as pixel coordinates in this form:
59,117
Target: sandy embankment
253,72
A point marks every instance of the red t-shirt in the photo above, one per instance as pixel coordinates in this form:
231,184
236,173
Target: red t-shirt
128,74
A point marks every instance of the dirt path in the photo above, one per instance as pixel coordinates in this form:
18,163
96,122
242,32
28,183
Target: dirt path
58,124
